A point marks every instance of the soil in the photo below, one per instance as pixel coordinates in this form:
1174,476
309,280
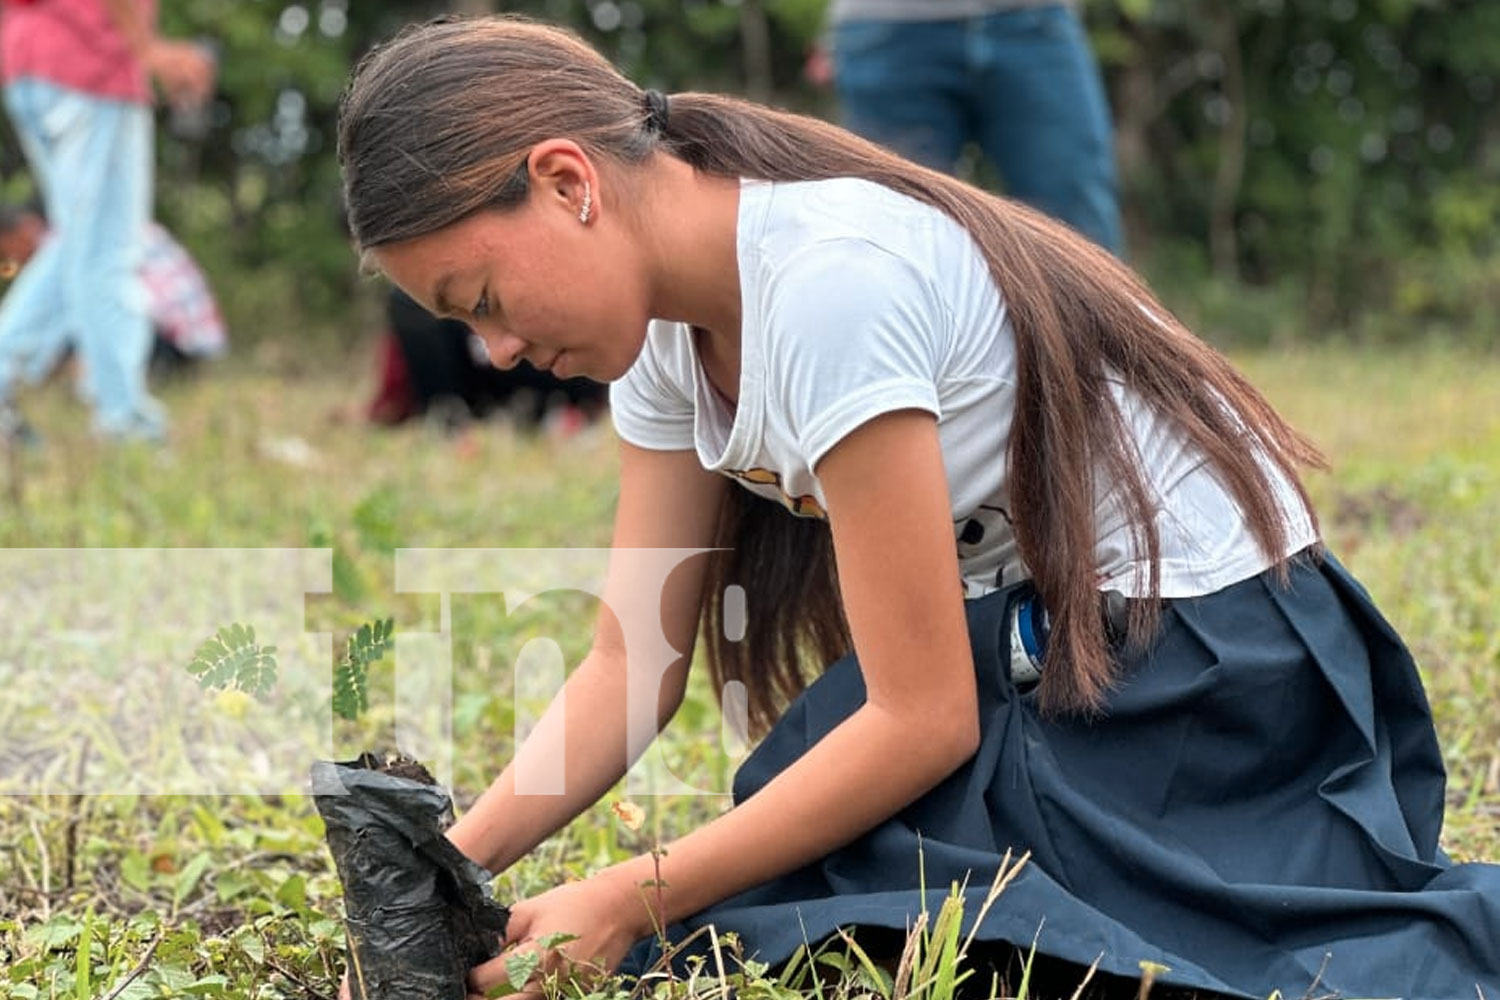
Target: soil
398,765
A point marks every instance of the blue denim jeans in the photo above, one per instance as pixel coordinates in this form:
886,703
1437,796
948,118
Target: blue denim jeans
92,159
1023,84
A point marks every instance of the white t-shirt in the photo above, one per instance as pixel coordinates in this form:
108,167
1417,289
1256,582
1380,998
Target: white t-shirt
858,301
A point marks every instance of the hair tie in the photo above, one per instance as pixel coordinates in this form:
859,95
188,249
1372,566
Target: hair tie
657,112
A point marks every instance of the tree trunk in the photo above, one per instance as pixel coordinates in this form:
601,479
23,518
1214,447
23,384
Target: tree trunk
1223,239
1135,104
755,42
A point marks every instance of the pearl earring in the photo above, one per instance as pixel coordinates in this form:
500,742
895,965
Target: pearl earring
588,204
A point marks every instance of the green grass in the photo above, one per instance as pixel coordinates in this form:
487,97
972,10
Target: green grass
234,895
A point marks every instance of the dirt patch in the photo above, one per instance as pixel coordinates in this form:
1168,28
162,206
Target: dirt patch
1361,511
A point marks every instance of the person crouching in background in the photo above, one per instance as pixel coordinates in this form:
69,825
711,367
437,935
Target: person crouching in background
436,368
185,319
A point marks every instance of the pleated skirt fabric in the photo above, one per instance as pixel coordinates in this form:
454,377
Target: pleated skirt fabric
1258,809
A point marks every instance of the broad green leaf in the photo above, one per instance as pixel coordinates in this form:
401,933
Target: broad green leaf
174,977
54,934
252,945
520,967
187,878
325,930
209,824
293,893
135,870
210,985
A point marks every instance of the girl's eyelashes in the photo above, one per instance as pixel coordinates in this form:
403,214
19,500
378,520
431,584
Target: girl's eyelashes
482,307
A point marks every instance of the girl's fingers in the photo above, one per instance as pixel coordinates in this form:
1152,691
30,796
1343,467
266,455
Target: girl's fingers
526,994
488,974
518,925
497,970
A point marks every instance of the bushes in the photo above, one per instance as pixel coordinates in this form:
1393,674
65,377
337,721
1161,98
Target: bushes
1349,151
1344,154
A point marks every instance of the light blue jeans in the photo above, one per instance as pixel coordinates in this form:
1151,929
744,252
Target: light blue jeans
1022,83
92,159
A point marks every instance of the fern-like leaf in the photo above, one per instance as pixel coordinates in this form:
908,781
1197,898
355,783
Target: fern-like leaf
369,643
350,694
231,658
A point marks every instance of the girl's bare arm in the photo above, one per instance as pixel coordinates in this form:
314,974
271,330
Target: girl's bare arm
898,569
666,500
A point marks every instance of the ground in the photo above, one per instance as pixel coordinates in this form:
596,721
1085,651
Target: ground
231,895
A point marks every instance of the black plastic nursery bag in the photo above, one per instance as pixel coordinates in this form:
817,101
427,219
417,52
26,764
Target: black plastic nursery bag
419,912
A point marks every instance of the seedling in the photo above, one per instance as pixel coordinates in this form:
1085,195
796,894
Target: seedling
417,913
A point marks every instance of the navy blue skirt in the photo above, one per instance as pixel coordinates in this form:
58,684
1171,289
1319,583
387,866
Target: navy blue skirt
1257,810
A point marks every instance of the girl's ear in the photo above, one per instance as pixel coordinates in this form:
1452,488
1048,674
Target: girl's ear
561,172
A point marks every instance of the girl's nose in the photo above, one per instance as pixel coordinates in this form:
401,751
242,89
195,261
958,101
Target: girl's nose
505,349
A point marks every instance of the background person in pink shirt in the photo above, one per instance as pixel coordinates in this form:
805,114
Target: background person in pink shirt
77,85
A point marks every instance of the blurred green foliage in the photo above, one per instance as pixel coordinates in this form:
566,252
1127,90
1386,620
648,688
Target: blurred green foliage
257,198
1345,151
1338,160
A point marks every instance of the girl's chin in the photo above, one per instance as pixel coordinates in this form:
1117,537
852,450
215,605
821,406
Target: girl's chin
605,373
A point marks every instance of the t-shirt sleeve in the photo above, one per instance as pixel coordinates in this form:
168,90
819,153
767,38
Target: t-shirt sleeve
652,403
853,332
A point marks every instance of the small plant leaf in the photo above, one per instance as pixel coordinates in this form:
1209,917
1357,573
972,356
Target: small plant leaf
350,696
520,967
187,879
369,643
293,893
231,659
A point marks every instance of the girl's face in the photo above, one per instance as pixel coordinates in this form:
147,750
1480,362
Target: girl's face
534,282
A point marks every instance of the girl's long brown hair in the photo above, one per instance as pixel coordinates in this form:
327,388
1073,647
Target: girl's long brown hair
437,123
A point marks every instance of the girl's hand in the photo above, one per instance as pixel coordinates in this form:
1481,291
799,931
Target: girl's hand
595,922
